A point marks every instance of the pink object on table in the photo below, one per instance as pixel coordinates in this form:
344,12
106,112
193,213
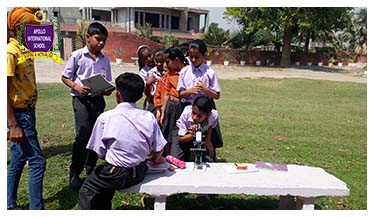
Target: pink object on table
175,161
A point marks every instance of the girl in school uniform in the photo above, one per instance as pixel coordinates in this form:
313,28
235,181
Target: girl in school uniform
201,113
198,79
152,79
146,63
171,108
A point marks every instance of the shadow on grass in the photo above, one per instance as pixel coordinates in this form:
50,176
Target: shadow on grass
53,150
216,202
57,149
65,199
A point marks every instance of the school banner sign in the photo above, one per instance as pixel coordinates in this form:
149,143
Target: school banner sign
40,40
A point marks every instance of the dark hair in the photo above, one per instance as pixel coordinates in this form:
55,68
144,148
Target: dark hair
199,45
130,86
203,103
184,48
97,28
159,51
139,53
174,52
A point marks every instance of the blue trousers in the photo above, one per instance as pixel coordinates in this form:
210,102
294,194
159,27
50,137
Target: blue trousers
28,150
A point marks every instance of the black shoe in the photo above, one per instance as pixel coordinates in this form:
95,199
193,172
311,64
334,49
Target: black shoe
89,171
76,182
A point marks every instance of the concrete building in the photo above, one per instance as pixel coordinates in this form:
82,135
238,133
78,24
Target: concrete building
184,23
122,23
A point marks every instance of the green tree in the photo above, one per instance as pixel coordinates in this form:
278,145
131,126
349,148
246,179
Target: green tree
316,24
286,21
241,40
145,31
81,32
216,36
358,31
169,40
353,38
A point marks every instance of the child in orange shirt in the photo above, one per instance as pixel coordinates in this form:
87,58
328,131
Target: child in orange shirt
159,94
171,108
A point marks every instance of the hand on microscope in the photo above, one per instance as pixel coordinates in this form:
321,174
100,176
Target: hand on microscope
207,143
192,129
209,146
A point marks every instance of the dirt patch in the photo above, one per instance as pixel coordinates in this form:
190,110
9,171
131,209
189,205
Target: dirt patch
48,71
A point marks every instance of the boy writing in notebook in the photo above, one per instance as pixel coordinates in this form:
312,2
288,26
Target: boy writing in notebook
82,64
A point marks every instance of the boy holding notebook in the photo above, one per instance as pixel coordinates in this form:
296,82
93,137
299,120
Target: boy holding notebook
84,63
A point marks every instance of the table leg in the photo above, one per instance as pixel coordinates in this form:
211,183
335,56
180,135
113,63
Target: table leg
160,202
305,203
287,202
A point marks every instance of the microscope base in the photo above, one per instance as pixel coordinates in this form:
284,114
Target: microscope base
199,167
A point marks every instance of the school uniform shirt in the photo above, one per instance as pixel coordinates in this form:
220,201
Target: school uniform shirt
125,135
171,83
189,76
159,92
185,121
22,89
155,73
81,65
144,73
188,60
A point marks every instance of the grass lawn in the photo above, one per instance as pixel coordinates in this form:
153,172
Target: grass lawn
291,121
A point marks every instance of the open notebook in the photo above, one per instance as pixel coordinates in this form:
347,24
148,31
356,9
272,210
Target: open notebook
97,83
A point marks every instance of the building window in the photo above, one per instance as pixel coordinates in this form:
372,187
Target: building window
189,24
139,18
174,22
101,15
136,17
162,21
153,19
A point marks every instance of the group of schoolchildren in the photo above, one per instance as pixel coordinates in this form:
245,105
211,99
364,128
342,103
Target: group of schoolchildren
180,89
179,92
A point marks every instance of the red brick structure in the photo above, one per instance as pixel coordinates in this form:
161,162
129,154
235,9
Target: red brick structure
129,42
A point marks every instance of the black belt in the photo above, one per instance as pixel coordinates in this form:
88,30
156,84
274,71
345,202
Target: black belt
131,169
28,109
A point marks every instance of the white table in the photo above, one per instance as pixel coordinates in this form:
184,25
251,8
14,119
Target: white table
298,187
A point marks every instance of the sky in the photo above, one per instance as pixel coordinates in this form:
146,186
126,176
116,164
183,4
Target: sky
216,16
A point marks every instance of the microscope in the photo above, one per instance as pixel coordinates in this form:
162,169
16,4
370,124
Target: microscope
198,149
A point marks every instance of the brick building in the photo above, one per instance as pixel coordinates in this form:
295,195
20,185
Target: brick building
121,22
